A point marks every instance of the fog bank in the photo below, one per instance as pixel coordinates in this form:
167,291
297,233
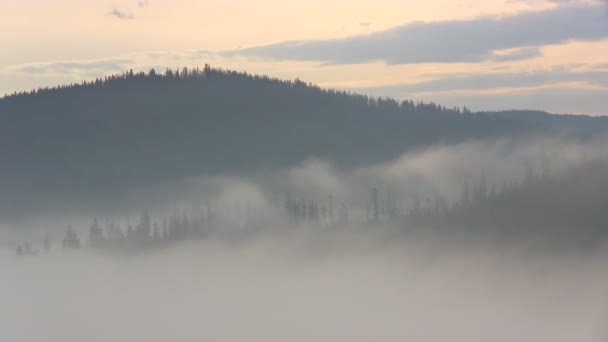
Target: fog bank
308,286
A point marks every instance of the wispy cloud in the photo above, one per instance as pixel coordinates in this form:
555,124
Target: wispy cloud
450,83
475,40
142,3
69,67
516,54
120,14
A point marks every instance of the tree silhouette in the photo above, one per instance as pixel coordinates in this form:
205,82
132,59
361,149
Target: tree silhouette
96,238
47,243
70,241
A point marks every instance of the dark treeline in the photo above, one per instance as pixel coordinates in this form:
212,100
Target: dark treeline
227,220
232,221
93,141
565,206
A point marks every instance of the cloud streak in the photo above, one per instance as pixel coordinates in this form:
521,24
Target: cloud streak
475,40
105,66
489,81
120,14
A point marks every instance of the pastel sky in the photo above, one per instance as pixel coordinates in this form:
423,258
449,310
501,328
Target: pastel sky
493,54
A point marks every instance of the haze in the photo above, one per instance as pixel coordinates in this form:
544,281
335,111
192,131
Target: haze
232,170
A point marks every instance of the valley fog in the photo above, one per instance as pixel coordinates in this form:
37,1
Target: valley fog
352,285
316,253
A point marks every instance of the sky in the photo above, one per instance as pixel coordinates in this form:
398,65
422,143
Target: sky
488,55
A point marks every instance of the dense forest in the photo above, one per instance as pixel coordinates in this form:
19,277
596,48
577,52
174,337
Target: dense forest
100,138
566,206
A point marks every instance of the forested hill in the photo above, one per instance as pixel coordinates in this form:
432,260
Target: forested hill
101,137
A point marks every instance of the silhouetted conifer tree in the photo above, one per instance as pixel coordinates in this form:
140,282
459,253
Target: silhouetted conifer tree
47,243
70,241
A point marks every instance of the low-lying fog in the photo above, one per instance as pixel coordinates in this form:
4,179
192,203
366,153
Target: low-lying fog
311,280
340,286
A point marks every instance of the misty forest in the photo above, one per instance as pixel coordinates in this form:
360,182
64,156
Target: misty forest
209,204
